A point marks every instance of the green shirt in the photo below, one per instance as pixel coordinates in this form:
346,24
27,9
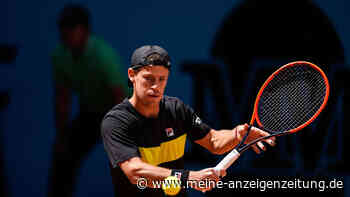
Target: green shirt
91,76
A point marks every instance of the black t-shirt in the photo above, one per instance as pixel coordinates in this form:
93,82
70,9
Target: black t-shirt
158,141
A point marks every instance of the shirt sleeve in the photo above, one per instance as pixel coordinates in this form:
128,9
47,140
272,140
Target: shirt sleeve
117,141
195,127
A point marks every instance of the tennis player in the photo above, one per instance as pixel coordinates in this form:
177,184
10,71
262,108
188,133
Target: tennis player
145,135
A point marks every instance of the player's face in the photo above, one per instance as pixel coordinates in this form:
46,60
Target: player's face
150,82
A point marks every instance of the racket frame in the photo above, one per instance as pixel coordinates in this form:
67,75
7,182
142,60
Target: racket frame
230,158
255,112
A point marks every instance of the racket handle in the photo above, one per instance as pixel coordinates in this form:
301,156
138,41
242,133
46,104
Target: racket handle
227,161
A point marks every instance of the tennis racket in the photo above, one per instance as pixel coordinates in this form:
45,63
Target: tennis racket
289,100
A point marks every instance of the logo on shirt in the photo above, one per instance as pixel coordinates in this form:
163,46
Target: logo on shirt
178,175
196,121
169,132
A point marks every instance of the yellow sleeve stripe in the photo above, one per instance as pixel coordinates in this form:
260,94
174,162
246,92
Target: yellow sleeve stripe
166,152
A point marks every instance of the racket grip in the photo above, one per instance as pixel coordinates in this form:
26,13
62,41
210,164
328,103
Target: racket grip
227,161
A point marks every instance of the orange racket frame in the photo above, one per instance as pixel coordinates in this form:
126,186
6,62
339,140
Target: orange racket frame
230,158
255,112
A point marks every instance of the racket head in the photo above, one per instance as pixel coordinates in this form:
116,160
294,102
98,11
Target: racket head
291,98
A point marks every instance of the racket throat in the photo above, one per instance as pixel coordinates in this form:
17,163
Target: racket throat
244,138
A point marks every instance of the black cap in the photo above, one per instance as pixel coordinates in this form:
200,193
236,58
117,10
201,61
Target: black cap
140,57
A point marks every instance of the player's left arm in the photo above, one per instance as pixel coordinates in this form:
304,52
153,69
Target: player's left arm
222,141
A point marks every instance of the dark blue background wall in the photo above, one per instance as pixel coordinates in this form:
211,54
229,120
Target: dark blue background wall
184,28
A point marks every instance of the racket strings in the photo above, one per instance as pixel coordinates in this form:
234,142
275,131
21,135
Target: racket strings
291,98
302,111
289,121
298,101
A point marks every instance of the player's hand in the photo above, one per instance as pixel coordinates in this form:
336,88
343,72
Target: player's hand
203,180
255,133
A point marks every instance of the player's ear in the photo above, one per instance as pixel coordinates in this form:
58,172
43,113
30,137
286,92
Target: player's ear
131,74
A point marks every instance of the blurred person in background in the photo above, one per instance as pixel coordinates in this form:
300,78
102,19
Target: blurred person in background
87,66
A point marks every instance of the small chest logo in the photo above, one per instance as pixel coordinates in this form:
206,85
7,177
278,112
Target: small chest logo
198,121
169,132
178,175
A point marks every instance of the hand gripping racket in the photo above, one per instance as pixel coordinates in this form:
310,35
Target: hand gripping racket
289,100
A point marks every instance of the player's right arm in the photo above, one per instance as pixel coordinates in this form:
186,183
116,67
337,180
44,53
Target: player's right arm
120,144
134,168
